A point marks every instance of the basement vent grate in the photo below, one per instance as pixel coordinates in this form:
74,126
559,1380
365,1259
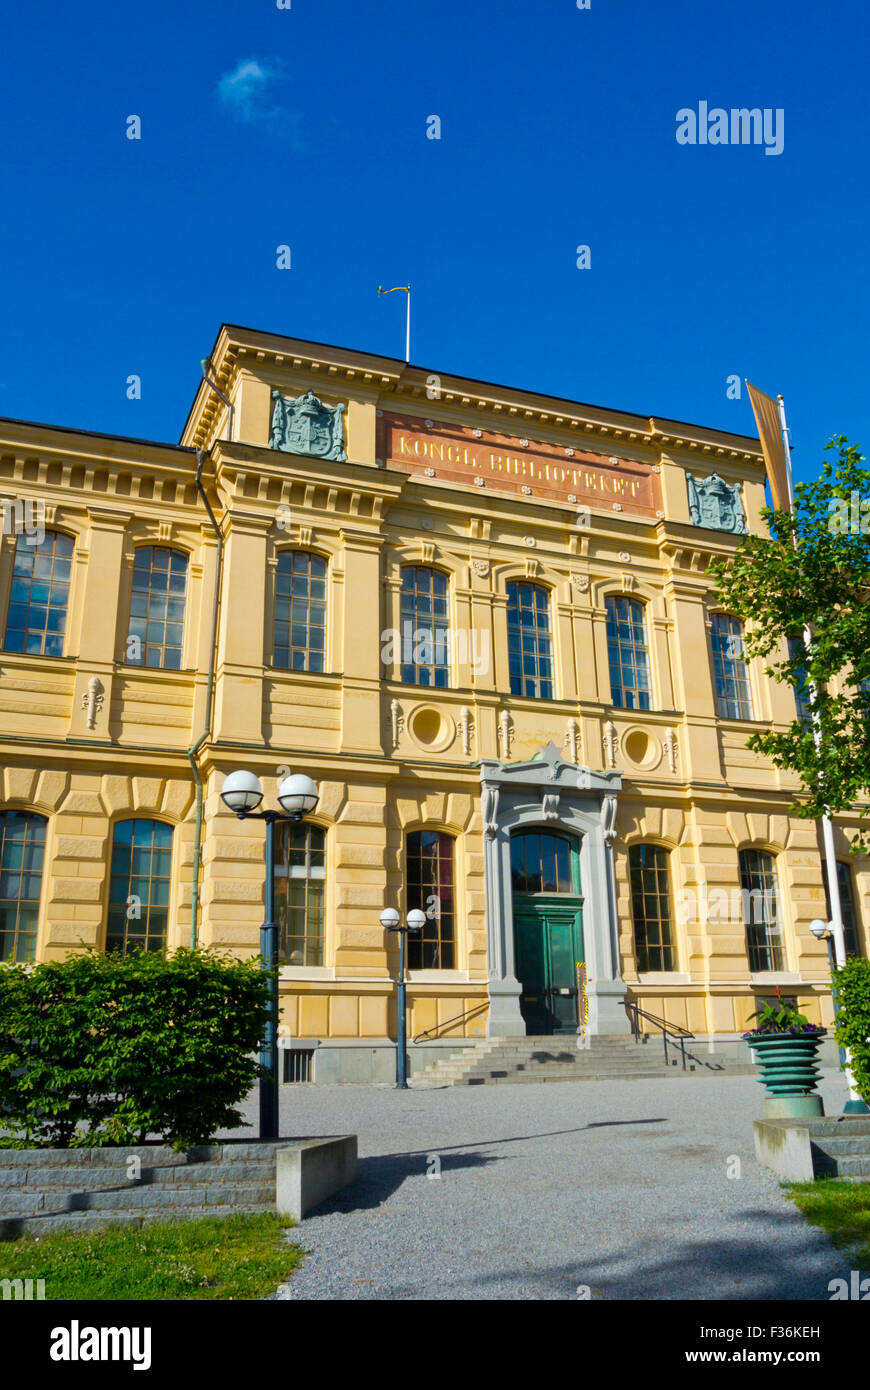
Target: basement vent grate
297,1063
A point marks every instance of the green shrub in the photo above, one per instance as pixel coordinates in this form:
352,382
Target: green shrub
852,988
110,1049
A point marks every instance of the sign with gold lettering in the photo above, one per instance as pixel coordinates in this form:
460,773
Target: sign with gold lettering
456,454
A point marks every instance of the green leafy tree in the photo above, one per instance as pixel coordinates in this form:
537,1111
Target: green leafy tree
111,1049
852,986
813,572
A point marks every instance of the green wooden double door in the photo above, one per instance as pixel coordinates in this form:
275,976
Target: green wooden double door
548,929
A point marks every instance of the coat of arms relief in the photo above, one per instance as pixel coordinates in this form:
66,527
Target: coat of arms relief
307,426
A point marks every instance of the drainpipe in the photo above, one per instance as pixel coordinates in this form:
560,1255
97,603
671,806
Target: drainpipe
194,750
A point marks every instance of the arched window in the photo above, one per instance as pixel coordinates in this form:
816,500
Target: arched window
300,612
761,913
627,653
157,608
733,696
425,627
651,907
22,850
542,862
300,873
530,652
39,597
429,876
847,904
139,886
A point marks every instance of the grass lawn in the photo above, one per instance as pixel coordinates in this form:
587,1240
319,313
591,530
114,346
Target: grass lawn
231,1257
840,1208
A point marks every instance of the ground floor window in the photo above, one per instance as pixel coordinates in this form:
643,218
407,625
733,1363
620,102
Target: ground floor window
651,908
847,904
761,913
22,850
139,886
300,873
429,876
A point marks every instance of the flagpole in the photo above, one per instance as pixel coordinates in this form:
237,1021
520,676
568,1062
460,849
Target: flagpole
406,289
854,1103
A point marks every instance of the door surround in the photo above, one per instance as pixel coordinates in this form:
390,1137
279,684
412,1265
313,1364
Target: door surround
549,794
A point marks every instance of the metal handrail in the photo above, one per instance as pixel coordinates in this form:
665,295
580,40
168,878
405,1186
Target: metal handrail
673,1030
469,1013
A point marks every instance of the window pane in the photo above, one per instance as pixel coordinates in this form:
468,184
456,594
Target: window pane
156,621
761,916
425,636
299,628
300,856
36,619
140,870
651,908
529,642
730,672
429,876
22,845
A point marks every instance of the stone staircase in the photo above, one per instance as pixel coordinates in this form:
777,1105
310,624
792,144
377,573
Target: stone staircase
536,1059
841,1150
43,1190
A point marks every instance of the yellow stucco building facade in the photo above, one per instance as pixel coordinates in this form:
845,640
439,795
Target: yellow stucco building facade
479,618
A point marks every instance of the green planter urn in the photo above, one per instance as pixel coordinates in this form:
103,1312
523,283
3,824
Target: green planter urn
789,1068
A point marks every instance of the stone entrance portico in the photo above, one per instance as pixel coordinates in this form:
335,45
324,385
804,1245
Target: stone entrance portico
548,793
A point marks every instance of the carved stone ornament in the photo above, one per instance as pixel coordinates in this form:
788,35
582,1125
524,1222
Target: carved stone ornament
490,811
572,740
611,744
506,732
307,426
480,567
92,700
581,582
550,805
608,818
398,722
715,504
671,748
466,725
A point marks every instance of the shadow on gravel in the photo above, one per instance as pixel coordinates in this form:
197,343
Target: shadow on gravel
783,1260
378,1178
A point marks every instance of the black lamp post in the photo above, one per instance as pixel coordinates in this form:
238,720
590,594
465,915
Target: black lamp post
298,795
391,921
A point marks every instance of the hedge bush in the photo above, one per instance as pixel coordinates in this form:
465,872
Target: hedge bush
852,987
113,1049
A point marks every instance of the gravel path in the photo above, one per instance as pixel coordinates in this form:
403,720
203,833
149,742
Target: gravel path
546,1191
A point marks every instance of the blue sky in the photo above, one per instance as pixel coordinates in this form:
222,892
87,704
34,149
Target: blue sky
307,127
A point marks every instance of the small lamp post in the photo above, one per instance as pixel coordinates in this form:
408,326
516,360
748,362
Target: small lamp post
391,921
242,792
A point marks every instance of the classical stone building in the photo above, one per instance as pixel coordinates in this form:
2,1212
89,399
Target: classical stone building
480,619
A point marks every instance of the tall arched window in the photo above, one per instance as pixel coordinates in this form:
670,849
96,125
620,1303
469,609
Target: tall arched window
733,696
761,910
300,612
530,652
300,874
22,850
39,597
139,886
425,627
156,629
429,876
651,907
847,904
627,653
